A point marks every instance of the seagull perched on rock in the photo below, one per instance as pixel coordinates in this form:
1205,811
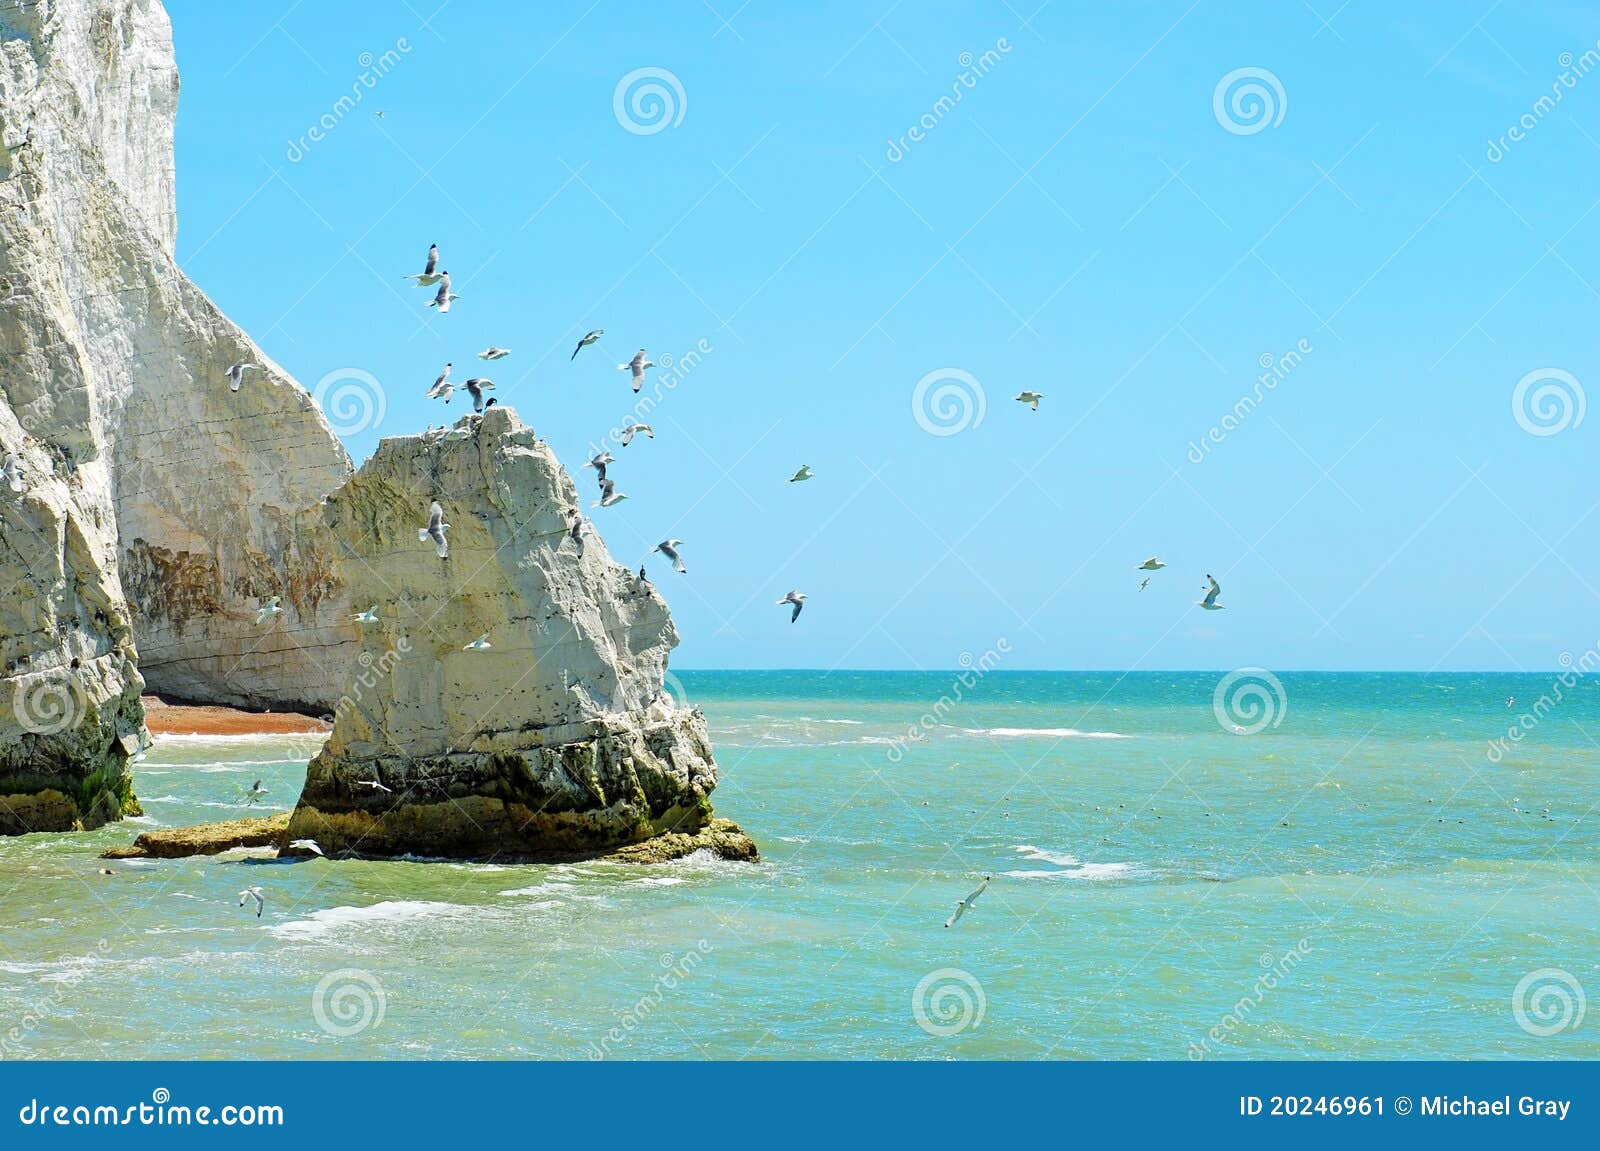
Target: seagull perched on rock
435,530
310,845
494,353
586,341
1213,591
479,644
965,905
256,894
267,610
637,365
575,527
669,548
609,495
599,463
799,601
368,616
444,295
236,374
626,434
475,388
254,794
13,472
1030,398
805,473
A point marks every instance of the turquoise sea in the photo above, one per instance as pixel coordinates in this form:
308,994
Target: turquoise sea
1360,878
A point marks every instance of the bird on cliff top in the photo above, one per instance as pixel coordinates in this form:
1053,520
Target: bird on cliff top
965,905
1210,602
585,342
494,353
256,894
1151,565
805,473
479,644
1030,398
310,845
609,495
13,472
599,463
575,526
255,793
435,530
475,388
637,365
626,434
236,374
267,610
669,548
368,616
799,601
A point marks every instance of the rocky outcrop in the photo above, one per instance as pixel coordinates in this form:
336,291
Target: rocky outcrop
556,739
204,839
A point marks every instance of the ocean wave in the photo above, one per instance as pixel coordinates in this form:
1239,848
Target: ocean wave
1044,733
1039,855
386,915
1088,871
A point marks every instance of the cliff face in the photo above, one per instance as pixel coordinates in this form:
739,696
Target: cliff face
557,738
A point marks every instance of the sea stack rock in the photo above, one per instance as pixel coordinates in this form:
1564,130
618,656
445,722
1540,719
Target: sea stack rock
556,740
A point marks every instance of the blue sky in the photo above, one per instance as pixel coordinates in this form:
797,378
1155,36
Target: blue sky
1083,222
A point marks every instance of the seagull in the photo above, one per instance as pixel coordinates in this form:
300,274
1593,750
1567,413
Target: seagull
669,548
433,260
435,530
267,610
1150,565
586,341
1511,701
380,114
479,644
442,387
428,277
256,894
1210,602
805,473
965,905
444,295
475,388
310,845
494,353
637,365
1144,583
1030,398
599,463
627,433
799,601
374,784
368,616
642,577
13,472
236,374
609,495
255,793
575,529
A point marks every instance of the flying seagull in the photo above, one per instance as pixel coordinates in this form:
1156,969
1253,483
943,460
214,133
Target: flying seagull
256,894
586,341
965,905
805,473
433,260
435,530
1030,398
1150,565
236,374
1144,583
799,601
1210,602
475,388
444,295
442,387
373,784
368,616
494,353
428,277
310,845
255,793
669,548
599,463
609,495
13,472
479,644
627,433
637,365
267,610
